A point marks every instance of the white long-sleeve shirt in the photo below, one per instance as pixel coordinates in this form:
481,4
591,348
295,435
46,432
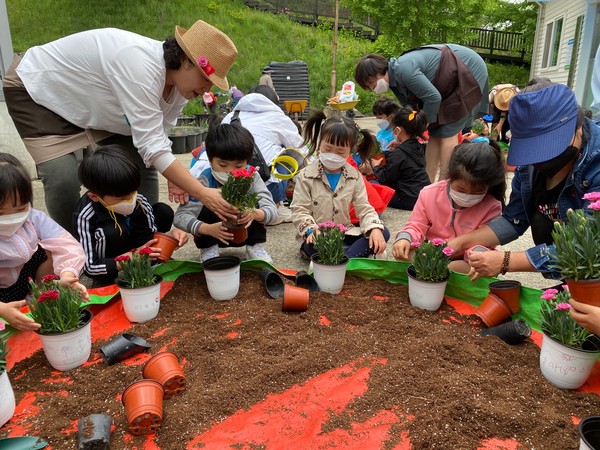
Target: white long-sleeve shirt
107,79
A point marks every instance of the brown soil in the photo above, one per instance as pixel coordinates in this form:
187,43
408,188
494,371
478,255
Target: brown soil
461,388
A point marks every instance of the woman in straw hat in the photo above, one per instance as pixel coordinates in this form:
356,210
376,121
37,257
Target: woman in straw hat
499,98
110,86
447,81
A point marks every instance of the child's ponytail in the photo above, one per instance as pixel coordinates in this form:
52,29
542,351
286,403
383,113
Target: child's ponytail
312,129
412,121
367,144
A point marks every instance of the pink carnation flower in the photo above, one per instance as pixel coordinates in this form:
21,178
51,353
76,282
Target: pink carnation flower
563,307
447,251
415,244
437,241
2,325
595,206
549,294
592,196
342,228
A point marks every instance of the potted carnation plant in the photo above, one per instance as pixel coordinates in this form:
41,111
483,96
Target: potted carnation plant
577,251
236,191
65,328
428,274
330,262
139,285
568,351
7,395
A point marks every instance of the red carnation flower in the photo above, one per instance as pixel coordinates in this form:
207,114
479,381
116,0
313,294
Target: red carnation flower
122,258
48,295
145,251
49,278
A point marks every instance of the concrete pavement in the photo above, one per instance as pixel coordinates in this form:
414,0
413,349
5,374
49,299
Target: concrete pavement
280,238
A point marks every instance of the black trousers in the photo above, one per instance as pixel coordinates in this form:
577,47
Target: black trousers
257,232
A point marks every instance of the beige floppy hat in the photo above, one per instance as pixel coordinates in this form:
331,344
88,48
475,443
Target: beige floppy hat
210,49
503,96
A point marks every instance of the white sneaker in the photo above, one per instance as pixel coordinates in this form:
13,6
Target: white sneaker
257,251
210,252
384,255
284,214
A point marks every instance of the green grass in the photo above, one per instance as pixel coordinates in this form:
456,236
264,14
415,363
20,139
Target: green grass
260,37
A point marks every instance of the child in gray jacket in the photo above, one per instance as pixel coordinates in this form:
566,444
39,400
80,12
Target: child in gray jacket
228,147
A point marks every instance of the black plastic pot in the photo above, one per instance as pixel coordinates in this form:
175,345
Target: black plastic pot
272,282
93,432
589,433
512,332
122,347
306,281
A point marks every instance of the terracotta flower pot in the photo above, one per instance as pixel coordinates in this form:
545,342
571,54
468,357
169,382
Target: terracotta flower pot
240,234
509,291
294,298
164,367
167,245
493,311
585,291
143,402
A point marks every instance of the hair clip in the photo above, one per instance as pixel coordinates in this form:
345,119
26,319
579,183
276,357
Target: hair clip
481,139
411,116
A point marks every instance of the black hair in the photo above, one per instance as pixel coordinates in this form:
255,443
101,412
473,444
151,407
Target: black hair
173,54
386,106
481,165
369,67
15,182
414,122
229,142
340,131
110,170
538,80
265,90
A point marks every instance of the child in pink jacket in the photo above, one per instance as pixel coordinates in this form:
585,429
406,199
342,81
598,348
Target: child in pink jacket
471,196
31,245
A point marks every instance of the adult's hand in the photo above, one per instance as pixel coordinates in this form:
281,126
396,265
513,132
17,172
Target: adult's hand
588,316
10,312
485,264
176,194
214,201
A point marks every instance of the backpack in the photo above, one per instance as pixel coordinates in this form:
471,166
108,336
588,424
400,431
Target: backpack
257,160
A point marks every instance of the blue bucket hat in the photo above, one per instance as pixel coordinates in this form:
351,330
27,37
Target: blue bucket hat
542,124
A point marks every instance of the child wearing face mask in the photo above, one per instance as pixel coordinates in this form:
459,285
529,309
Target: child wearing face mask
471,197
32,245
327,187
112,218
404,170
228,147
384,109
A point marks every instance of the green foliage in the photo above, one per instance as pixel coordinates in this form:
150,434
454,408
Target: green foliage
54,307
431,260
556,321
136,270
576,249
329,242
237,189
506,73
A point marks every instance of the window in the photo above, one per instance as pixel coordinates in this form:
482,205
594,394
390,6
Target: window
552,43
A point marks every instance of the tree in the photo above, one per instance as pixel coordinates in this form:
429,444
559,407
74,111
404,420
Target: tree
411,23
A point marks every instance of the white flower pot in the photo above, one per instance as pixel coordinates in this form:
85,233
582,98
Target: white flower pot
65,351
330,278
222,276
7,399
427,295
565,367
141,304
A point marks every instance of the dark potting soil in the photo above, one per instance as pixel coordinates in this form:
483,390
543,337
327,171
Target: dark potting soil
449,387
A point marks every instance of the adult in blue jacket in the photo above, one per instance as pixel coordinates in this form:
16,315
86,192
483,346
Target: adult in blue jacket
557,151
447,81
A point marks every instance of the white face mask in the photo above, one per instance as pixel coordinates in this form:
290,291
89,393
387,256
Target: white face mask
465,200
331,161
11,223
221,177
383,124
124,208
381,87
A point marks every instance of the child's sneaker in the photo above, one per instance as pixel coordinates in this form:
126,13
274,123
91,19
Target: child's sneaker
257,251
210,252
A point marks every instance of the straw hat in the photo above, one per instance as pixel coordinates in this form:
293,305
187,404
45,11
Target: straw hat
210,49
503,96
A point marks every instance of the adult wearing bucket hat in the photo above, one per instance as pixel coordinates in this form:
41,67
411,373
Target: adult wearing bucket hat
557,151
111,86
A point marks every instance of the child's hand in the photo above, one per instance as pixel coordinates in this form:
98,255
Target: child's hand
10,312
181,236
155,250
377,241
392,145
70,280
247,218
376,162
310,239
218,231
401,249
